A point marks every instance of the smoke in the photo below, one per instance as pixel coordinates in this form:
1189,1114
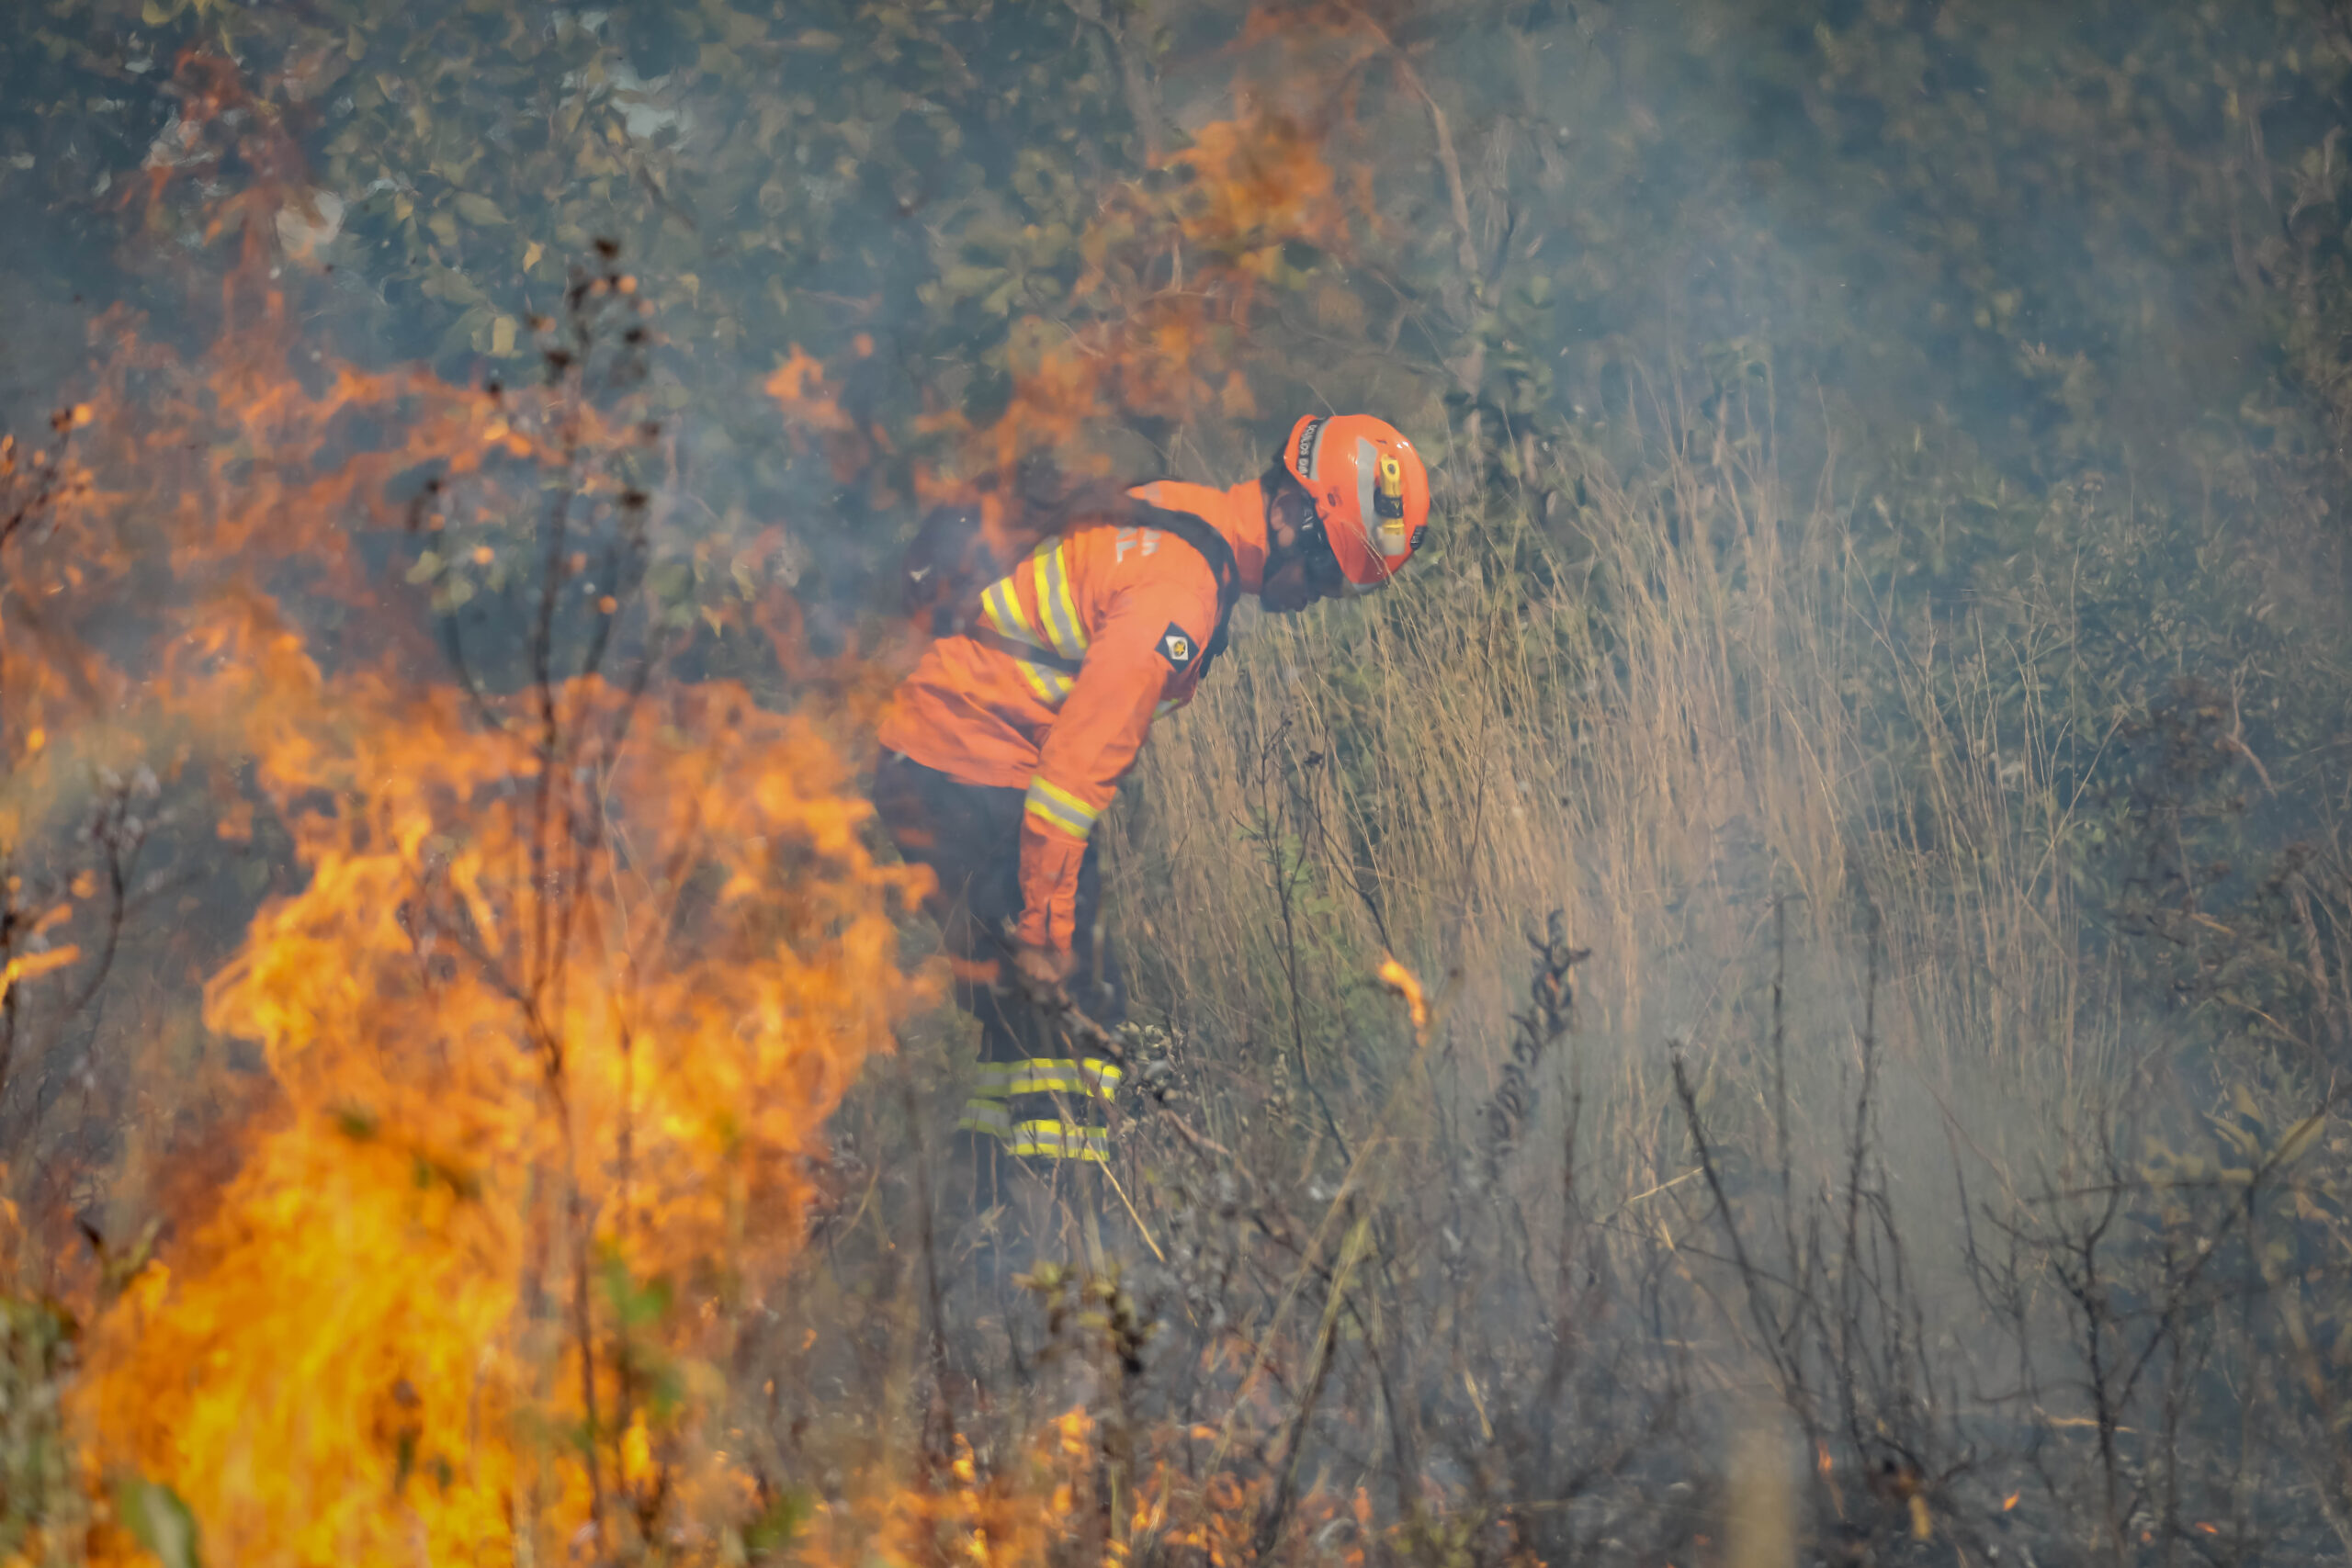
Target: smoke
1886,595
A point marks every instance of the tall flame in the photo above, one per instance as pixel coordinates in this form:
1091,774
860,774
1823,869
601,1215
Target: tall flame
489,1154
569,974
566,971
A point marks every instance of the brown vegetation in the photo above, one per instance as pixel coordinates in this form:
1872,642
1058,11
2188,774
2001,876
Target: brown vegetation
1784,998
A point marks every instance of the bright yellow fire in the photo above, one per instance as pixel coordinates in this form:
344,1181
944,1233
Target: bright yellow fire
567,976
566,983
510,1107
1402,981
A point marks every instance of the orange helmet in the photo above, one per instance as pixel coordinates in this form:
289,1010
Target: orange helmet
1370,490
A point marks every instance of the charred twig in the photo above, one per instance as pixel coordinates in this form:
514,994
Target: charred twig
1286,1448
1547,1020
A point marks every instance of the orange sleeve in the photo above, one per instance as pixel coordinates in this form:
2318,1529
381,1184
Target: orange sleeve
1154,633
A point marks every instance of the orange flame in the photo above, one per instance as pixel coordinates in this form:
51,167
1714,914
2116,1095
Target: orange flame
552,1015
1401,980
1155,324
27,967
798,386
562,983
480,1127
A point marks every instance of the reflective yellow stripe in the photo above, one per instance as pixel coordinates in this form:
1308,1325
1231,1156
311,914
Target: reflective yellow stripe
1057,610
1057,1140
1003,606
1048,1138
1167,705
1044,1075
985,1116
1049,1077
1046,575
1040,784
1067,821
1051,686
1042,584
1051,803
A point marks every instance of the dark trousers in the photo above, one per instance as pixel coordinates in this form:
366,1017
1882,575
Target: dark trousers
1039,1098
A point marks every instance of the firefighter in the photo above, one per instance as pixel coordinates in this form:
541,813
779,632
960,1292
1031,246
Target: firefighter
1001,749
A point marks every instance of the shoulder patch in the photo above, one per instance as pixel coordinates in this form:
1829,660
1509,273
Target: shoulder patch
1177,647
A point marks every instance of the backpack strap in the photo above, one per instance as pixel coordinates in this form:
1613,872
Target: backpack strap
1112,504
1213,549
951,560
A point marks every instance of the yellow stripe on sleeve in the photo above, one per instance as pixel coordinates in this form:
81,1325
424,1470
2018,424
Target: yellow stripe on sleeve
1063,1075
1050,803
986,1116
1051,686
1056,606
1045,1138
1002,605
1059,1140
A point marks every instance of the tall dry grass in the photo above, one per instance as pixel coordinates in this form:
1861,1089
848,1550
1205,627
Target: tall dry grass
1679,711
1514,1289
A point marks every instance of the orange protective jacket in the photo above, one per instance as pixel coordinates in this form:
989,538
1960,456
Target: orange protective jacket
1133,609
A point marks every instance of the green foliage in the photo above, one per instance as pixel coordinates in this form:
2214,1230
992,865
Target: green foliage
768,1537
159,1521
647,1371
39,1498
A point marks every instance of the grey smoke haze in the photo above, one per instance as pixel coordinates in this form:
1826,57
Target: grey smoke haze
1892,481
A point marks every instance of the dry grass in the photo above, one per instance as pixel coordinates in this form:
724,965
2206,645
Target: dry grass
1861,1102
1669,740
